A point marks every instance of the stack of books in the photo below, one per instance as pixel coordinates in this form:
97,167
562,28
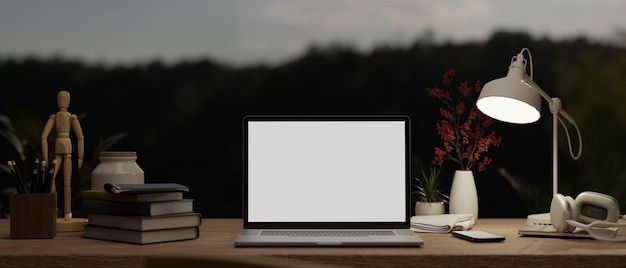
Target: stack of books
140,217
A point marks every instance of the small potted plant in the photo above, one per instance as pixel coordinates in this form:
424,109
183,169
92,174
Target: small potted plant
431,200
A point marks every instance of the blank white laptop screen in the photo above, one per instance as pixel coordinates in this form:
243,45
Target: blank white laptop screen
326,171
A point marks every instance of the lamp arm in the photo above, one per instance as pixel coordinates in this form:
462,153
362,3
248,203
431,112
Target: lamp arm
556,109
541,92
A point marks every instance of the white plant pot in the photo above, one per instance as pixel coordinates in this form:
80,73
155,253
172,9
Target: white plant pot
429,208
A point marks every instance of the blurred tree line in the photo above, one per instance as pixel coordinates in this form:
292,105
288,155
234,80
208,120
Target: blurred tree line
184,119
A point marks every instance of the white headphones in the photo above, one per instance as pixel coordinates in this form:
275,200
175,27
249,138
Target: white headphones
590,211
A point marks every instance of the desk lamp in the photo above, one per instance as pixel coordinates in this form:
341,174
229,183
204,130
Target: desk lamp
516,99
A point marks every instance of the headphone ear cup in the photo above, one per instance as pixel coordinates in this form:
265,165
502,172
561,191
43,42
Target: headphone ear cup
561,211
571,205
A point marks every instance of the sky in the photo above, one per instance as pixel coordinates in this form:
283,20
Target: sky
271,31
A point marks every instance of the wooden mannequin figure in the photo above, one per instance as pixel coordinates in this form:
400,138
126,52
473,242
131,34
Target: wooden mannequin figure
64,123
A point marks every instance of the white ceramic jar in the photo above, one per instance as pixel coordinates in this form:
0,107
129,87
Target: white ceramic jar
116,167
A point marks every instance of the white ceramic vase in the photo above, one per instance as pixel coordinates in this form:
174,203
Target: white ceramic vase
463,195
429,208
116,167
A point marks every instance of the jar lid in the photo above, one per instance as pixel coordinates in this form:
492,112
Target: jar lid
117,154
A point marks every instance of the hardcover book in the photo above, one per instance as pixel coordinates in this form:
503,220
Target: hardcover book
139,237
137,209
145,188
134,198
144,223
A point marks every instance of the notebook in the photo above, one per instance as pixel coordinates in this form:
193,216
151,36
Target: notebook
549,231
326,181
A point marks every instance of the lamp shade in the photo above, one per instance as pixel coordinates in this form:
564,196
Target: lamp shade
510,99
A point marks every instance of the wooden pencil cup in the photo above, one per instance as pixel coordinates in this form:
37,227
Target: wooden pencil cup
33,216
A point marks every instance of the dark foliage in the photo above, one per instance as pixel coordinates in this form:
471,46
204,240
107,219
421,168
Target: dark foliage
184,119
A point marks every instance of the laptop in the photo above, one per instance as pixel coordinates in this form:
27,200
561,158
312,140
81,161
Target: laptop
326,181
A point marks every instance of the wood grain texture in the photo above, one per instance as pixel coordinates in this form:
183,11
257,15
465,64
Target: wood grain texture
217,236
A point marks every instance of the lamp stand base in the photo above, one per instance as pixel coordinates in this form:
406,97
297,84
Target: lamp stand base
539,219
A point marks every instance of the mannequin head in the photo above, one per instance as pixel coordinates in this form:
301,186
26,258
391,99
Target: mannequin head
63,99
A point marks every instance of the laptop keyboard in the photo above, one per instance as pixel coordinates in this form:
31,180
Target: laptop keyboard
326,233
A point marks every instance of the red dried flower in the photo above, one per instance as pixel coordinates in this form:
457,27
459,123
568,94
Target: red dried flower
463,131
447,77
464,89
438,93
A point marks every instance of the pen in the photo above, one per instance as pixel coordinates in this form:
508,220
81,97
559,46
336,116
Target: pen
34,180
21,188
41,179
50,177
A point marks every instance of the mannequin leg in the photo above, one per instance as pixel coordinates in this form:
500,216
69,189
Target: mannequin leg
57,160
68,223
67,190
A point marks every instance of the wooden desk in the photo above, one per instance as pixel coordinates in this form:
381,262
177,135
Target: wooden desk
217,235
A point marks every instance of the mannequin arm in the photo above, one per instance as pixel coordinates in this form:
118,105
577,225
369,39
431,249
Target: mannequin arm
44,137
80,146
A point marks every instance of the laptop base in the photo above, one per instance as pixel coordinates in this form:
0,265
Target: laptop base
402,238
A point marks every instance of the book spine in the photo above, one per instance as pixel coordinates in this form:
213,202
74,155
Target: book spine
113,207
137,209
